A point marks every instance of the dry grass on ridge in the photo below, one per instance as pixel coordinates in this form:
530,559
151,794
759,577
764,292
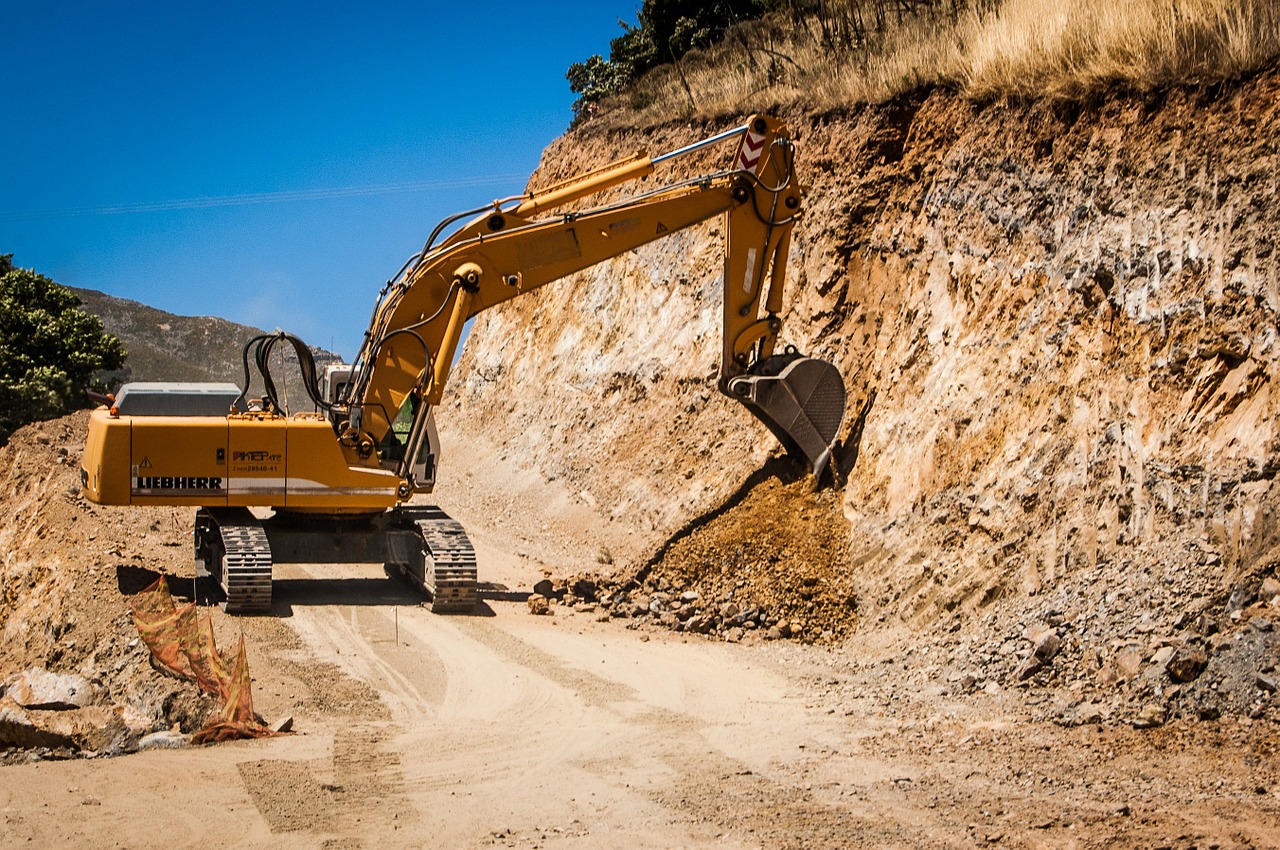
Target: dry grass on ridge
1038,47
1021,48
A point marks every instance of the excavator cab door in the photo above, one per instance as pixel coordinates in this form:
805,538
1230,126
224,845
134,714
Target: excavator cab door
411,447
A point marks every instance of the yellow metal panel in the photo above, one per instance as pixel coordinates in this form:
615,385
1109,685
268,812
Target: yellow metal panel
256,461
105,465
213,461
178,460
319,477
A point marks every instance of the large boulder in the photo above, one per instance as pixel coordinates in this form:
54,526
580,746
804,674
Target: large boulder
40,689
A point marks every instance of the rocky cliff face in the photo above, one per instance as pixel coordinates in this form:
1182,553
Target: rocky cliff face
1057,325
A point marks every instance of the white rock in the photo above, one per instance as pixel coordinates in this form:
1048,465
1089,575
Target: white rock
39,689
166,740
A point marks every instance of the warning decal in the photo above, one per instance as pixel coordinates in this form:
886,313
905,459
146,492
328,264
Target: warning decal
752,147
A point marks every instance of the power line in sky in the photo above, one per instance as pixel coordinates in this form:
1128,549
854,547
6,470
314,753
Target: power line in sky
211,201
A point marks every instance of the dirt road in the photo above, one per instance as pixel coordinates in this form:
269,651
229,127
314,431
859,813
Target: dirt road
563,732
418,729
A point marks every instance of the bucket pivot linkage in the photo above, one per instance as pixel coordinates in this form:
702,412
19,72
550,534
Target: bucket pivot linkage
801,399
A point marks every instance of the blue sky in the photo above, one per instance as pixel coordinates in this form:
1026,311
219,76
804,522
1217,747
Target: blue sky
270,163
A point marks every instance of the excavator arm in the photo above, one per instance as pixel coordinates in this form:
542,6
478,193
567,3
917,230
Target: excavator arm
515,248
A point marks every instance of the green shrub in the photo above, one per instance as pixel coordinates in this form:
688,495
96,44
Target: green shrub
667,30
50,350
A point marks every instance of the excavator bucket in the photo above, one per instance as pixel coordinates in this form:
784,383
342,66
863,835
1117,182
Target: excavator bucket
802,401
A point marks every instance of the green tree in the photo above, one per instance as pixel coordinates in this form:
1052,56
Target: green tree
635,51
593,80
666,30
49,349
678,26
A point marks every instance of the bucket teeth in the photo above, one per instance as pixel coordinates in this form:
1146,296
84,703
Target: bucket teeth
802,401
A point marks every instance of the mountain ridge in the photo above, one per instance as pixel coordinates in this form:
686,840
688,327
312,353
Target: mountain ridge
164,346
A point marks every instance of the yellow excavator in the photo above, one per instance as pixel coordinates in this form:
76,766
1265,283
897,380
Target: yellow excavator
339,478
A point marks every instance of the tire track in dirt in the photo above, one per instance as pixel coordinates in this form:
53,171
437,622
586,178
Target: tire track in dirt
704,774
622,729
359,779
707,784
512,722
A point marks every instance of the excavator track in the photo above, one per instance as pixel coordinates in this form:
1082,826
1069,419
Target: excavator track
449,571
238,555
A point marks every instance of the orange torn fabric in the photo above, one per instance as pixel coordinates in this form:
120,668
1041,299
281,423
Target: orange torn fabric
156,619
182,642
236,720
202,654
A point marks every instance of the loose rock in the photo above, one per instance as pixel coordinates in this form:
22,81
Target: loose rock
36,688
1187,663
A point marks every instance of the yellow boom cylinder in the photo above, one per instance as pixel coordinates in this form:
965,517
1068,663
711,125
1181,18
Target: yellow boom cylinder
564,193
453,333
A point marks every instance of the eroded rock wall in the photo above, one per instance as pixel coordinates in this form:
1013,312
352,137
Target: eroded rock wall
1058,323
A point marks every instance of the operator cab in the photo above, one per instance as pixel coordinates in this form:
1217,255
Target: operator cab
391,451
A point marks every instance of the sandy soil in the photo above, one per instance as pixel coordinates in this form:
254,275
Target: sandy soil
506,729
512,730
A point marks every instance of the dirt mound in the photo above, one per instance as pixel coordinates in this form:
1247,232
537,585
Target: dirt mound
66,570
771,561
777,546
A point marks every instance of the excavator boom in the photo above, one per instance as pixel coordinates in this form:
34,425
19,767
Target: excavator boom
505,252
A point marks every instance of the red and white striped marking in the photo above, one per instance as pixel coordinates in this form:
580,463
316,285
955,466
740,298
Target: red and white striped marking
752,147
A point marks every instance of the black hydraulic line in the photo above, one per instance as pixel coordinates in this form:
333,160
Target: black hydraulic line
262,346
445,223
262,356
244,357
375,345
